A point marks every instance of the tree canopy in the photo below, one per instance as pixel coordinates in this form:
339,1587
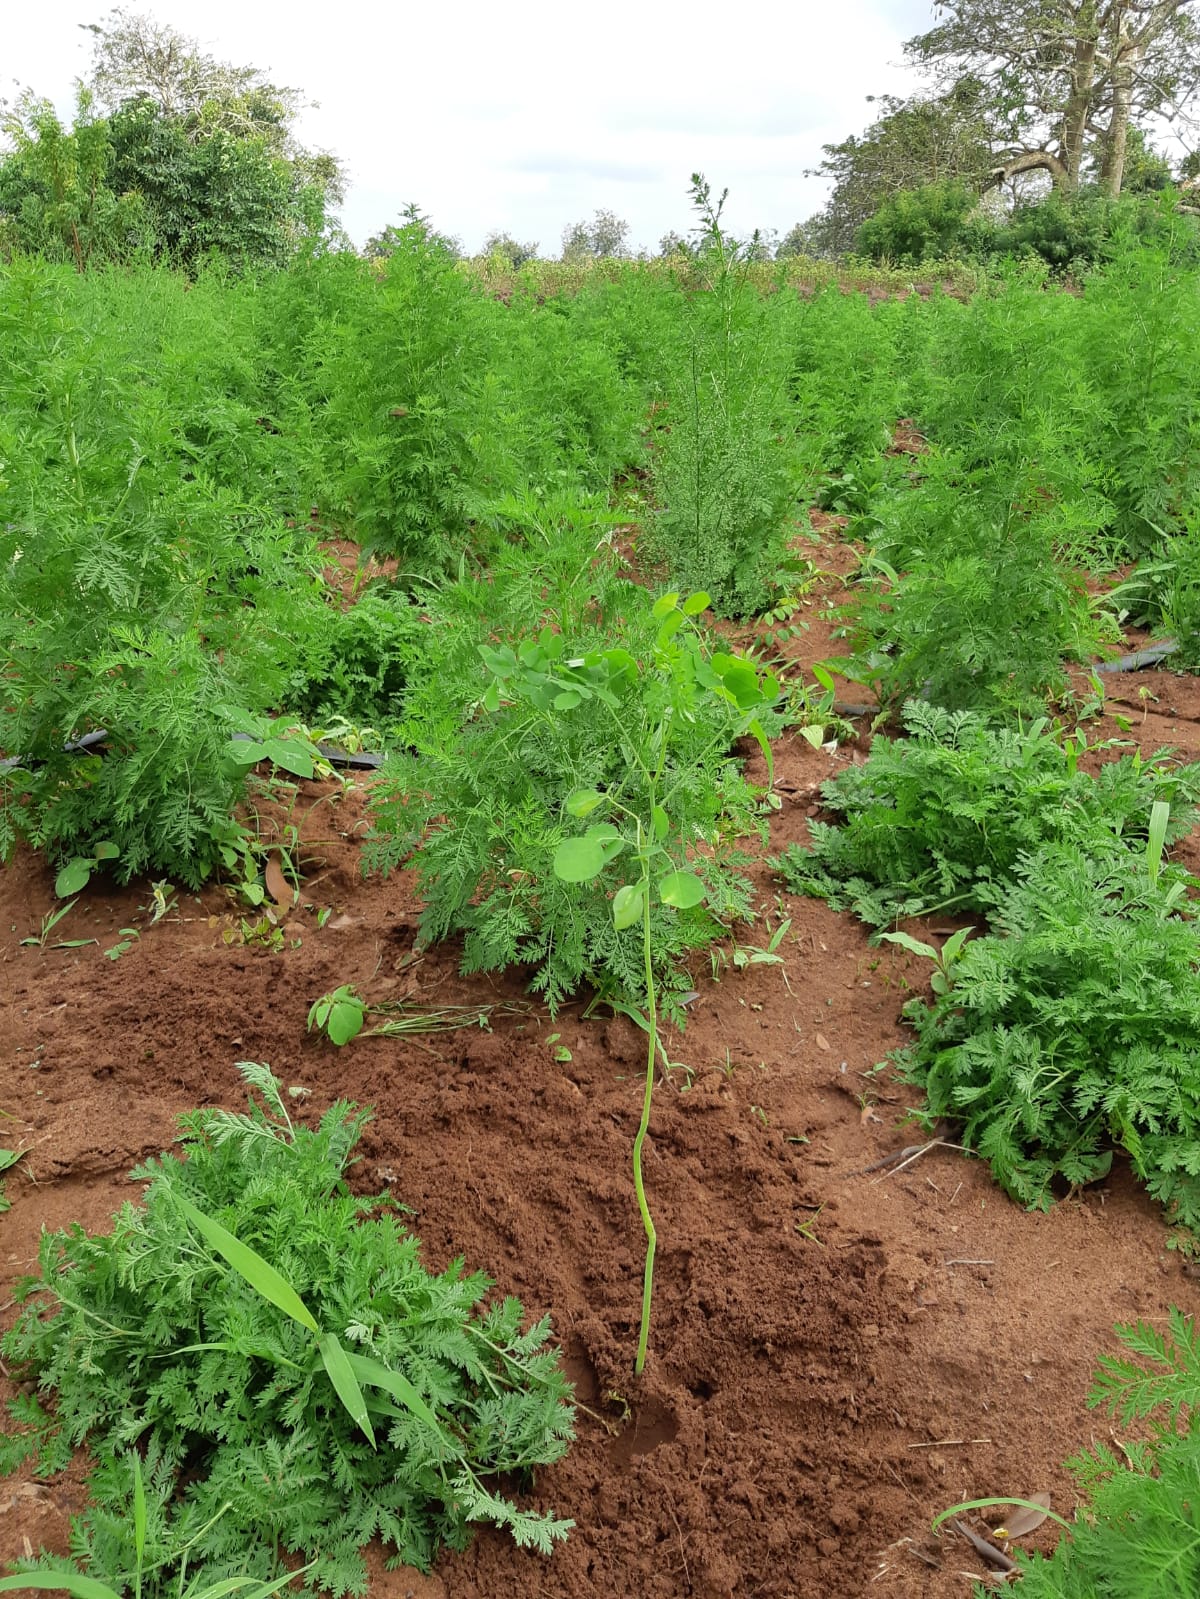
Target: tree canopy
171,153
1068,91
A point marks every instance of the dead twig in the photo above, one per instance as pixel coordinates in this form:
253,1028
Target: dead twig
949,1443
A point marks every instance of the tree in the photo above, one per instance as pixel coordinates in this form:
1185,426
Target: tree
1064,81
509,249
924,224
193,155
54,197
604,236
924,140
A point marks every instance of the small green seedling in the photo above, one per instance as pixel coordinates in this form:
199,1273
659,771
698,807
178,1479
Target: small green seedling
278,741
76,874
943,959
49,922
124,944
340,1015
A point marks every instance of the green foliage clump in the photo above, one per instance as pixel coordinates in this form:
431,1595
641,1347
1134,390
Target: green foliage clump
548,707
1074,1028
725,466
980,619
142,590
182,1334
1137,1535
924,224
940,819
360,662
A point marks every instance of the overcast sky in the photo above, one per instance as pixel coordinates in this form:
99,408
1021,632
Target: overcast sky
529,117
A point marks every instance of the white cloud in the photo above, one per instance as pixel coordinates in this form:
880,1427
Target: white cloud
530,118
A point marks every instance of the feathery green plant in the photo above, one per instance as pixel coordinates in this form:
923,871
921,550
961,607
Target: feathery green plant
480,808
939,819
291,1375
725,468
1073,1030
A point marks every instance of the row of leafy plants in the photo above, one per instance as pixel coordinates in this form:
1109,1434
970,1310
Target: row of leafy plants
163,444
1068,1026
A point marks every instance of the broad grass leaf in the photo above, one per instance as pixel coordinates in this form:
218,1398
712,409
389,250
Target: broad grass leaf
261,1276
376,1375
341,1375
72,1582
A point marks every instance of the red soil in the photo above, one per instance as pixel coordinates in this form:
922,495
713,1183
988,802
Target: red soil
837,1353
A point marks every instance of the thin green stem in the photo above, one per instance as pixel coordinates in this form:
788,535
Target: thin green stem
644,1126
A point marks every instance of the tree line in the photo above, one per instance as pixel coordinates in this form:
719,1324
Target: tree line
1035,119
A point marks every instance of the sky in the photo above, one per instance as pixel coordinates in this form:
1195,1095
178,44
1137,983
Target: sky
531,117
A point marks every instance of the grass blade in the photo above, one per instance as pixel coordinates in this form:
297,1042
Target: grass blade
261,1276
341,1374
1160,815
377,1375
72,1582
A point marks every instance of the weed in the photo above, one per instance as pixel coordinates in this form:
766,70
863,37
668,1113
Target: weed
939,820
1074,1028
292,1375
49,922
339,1015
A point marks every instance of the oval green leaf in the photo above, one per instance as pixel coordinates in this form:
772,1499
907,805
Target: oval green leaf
664,604
681,889
73,877
627,906
582,802
578,860
244,752
290,758
671,625
695,603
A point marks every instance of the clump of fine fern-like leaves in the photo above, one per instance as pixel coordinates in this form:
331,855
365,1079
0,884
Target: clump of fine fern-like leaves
938,820
980,614
1074,1029
1138,1534
479,806
148,1340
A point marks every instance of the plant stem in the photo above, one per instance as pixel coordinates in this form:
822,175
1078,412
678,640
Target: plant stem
644,1127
